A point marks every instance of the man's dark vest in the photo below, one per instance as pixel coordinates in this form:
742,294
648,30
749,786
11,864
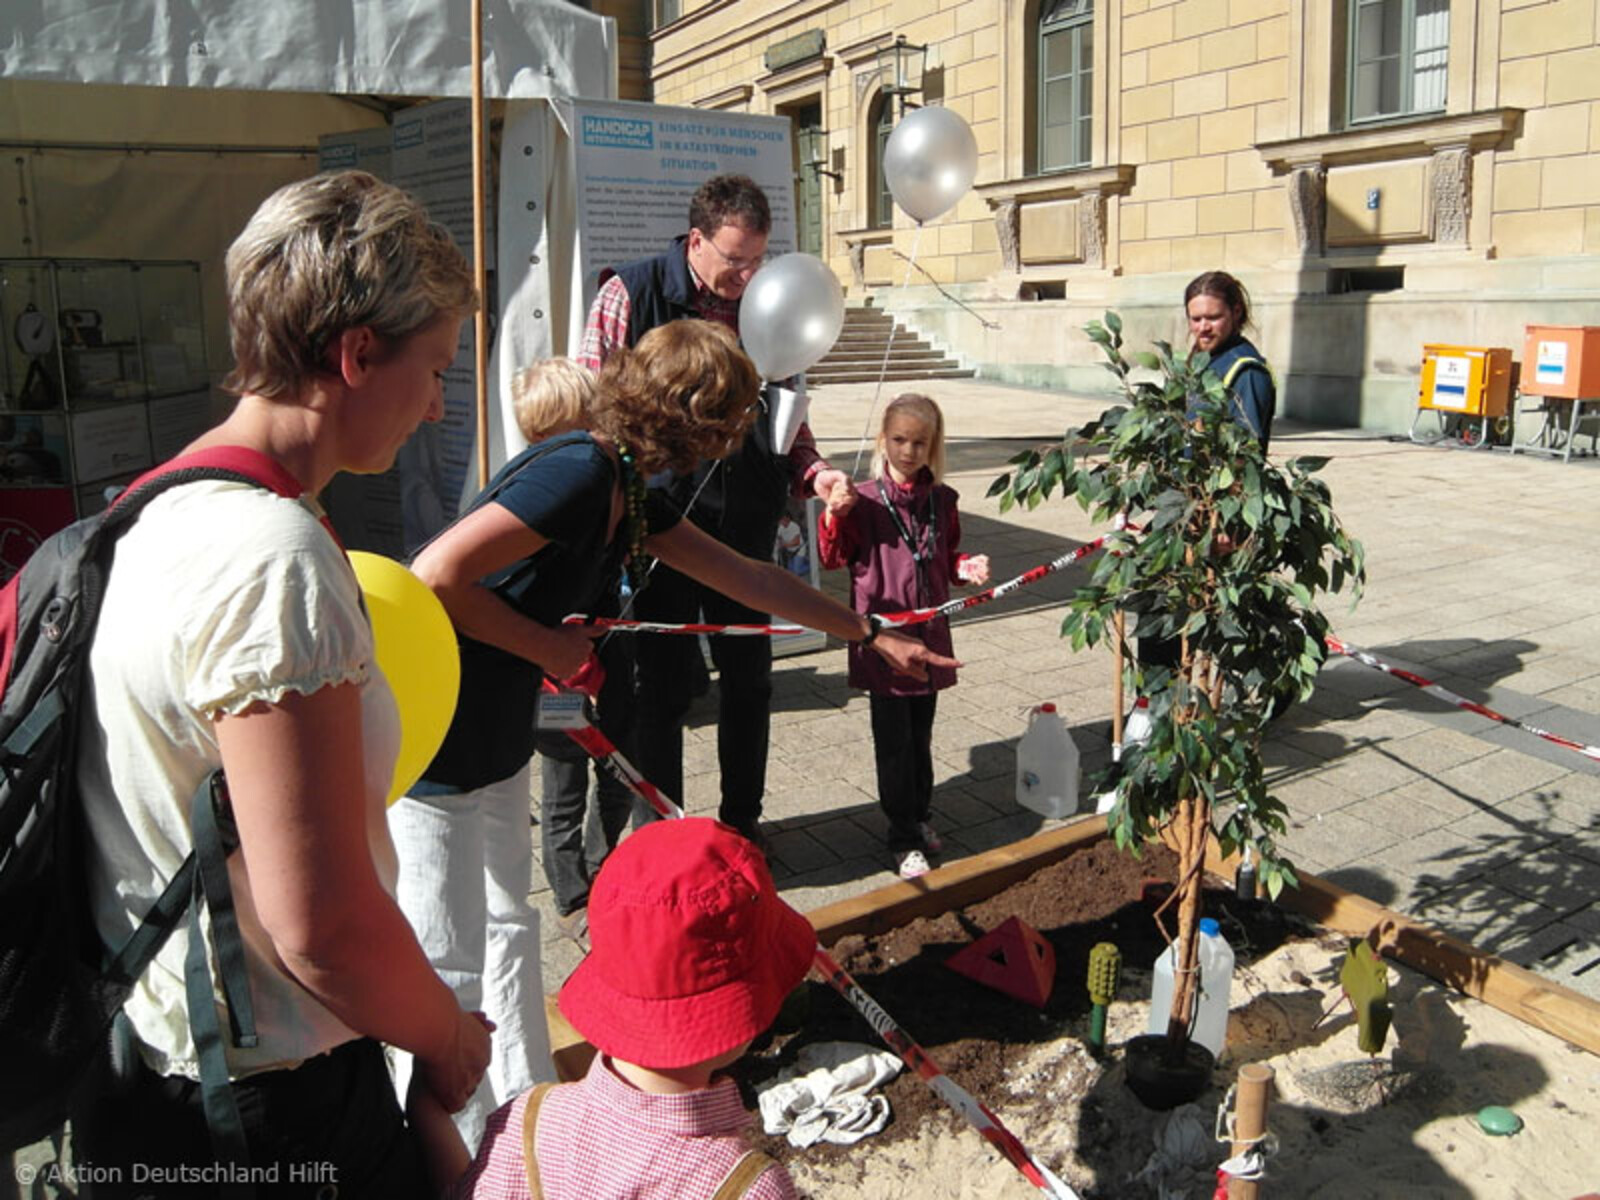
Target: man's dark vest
741,505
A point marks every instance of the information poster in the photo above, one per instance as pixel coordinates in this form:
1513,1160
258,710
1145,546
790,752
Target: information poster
1451,374
1551,365
428,152
108,441
639,164
175,421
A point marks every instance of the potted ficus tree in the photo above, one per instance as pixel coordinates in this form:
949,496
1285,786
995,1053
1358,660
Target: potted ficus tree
1227,553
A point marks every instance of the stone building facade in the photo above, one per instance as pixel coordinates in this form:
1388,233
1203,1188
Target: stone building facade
1381,173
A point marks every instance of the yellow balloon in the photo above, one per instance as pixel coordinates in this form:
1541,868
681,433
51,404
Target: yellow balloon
417,653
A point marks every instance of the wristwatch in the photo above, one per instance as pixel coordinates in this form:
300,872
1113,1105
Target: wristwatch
875,627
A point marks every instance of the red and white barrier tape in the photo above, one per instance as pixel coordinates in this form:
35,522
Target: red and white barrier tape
599,747
894,620
952,1093
918,615
1367,658
604,751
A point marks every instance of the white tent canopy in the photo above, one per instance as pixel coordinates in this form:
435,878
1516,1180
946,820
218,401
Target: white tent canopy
533,49
97,202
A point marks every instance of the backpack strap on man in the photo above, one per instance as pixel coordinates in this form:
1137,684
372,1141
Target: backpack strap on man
1240,364
743,1176
530,1121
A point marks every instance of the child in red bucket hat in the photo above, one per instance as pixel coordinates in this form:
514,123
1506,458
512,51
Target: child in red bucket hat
691,955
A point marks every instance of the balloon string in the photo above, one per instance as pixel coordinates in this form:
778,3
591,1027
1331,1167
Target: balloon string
866,432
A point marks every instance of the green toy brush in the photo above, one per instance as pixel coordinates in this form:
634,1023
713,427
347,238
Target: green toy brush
1105,968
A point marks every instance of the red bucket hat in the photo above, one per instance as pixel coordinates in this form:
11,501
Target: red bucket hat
692,952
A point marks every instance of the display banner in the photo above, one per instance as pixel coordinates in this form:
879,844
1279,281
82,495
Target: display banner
638,165
428,152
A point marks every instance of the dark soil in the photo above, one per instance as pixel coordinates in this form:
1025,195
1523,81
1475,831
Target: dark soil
977,1035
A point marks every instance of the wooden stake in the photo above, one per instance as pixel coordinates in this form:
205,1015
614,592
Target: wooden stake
1249,1122
1120,625
480,272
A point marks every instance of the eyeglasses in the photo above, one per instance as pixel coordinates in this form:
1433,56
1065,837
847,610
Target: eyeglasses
737,264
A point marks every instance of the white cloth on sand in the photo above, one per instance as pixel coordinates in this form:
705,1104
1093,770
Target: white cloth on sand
825,1096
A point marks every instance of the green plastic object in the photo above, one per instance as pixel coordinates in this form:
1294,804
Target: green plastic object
1105,970
1501,1122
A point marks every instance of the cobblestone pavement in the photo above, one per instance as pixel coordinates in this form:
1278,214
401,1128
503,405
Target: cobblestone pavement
1482,577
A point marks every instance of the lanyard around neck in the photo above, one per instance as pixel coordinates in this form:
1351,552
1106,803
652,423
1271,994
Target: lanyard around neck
921,552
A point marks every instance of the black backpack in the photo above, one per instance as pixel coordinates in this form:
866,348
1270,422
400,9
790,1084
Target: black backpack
60,987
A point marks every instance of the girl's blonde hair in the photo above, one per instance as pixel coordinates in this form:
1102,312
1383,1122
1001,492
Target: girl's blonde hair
685,394
919,408
550,397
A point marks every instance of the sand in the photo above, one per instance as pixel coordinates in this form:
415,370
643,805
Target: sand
1345,1124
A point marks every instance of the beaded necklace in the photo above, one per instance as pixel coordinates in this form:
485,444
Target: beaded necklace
637,527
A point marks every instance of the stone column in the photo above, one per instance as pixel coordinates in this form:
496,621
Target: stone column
1008,228
1092,228
1452,195
1308,203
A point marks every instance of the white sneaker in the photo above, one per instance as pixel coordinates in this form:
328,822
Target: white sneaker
930,838
912,864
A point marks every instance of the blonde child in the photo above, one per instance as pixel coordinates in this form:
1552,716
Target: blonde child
900,537
550,398
693,955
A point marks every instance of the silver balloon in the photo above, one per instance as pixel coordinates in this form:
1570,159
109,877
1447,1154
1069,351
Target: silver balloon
930,161
791,314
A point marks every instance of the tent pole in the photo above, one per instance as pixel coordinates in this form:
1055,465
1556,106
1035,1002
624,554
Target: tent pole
480,319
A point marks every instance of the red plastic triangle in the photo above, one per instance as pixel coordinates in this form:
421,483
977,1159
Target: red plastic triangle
1013,958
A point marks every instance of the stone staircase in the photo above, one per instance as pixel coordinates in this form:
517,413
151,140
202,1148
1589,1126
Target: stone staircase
857,357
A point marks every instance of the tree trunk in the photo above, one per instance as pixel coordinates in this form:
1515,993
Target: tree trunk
1192,825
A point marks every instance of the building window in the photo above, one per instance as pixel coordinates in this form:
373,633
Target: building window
1066,77
882,199
666,12
1399,53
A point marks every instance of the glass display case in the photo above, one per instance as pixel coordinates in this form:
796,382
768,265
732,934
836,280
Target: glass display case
102,374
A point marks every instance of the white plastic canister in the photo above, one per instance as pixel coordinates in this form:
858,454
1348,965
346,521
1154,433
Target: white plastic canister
1210,1026
1047,765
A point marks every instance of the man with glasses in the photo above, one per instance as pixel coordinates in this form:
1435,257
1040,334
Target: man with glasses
703,274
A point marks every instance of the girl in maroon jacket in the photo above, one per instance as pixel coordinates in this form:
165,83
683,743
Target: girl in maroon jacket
900,536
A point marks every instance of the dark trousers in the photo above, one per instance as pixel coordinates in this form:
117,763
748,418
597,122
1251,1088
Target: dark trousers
902,746
574,835
665,687
333,1120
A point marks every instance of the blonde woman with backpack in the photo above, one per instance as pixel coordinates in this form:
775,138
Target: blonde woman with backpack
233,636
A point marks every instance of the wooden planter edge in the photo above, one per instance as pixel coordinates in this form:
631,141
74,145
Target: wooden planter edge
1503,985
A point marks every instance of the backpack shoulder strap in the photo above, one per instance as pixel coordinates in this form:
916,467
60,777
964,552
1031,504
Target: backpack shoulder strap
1239,364
215,462
743,1176
530,1122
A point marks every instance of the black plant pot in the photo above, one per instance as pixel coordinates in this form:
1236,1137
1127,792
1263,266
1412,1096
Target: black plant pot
1159,1081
